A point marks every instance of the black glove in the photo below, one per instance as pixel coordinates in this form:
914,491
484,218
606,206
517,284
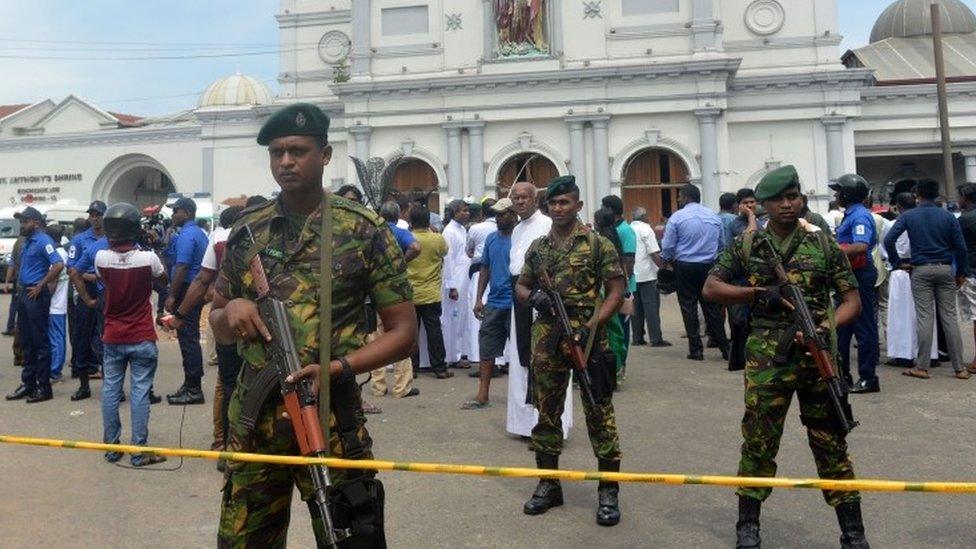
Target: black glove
540,301
581,335
771,298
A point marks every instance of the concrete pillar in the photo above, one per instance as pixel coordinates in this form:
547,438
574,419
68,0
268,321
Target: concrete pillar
360,135
834,127
703,26
476,160
708,133
454,173
601,156
970,158
360,54
577,152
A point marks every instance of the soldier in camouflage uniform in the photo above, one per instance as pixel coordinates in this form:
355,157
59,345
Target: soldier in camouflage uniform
579,264
366,262
815,263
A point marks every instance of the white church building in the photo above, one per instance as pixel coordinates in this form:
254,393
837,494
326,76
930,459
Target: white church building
633,97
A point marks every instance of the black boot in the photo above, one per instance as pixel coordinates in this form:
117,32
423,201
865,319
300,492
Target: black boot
851,526
747,529
608,511
549,493
84,390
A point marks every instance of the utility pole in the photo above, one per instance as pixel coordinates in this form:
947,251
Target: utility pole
940,78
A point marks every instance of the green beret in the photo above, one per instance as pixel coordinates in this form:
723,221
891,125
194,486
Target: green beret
563,184
295,119
777,181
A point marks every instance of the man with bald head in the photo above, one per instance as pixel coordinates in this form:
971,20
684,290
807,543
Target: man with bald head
532,225
647,261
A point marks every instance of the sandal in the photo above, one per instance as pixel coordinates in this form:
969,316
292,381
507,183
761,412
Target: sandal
916,373
971,368
371,408
963,374
475,405
143,460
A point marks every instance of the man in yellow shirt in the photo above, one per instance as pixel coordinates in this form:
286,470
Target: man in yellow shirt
425,274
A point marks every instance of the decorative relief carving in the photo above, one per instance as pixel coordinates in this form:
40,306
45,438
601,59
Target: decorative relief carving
453,21
765,17
334,47
592,9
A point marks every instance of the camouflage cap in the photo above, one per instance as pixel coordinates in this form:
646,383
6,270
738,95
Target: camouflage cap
296,119
777,181
563,184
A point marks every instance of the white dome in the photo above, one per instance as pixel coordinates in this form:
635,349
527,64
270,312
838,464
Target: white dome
236,90
908,18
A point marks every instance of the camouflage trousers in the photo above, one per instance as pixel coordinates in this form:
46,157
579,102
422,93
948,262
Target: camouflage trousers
552,369
769,391
256,505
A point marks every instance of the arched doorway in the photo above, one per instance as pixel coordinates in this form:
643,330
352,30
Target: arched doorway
135,178
417,180
531,167
652,178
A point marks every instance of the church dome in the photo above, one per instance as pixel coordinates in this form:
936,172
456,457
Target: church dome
236,90
909,18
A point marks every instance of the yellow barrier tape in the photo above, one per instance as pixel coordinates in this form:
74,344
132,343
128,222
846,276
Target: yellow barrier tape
516,472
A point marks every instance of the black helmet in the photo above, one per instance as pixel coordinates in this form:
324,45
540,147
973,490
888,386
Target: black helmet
122,222
852,187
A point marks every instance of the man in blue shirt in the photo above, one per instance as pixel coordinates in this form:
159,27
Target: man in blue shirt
38,267
186,251
939,265
496,314
857,236
692,241
86,341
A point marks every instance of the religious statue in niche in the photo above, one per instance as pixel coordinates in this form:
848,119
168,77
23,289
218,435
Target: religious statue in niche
522,27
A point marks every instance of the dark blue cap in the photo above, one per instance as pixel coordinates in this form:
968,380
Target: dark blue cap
184,203
30,213
98,207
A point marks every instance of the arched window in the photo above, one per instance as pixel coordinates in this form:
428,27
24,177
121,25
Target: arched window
531,167
416,180
652,179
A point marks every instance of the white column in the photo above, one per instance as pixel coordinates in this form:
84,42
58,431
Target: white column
476,160
454,173
601,156
970,158
359,54
834,127
360,135
708,133
577,152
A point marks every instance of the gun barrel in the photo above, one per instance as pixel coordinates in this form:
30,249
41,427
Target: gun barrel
321,484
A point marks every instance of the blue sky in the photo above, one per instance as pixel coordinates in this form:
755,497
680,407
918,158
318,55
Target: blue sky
67,30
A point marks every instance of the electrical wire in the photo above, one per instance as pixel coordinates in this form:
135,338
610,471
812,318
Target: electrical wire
152,57
164,469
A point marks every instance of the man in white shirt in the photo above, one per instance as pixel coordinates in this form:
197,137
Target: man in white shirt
57,321
477,234
455,300
647,261
522,416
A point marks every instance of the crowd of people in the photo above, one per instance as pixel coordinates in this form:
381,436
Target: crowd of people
487,285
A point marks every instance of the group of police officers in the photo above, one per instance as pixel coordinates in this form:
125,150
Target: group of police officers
366,262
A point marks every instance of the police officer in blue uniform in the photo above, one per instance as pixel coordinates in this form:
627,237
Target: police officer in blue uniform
39,266
84,359
857,236
185,254
89,310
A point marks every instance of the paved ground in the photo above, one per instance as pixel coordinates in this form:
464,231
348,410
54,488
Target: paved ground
675,416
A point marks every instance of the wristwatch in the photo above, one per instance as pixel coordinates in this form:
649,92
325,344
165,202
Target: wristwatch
347,373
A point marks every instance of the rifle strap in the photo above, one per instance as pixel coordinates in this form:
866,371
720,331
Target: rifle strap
325,315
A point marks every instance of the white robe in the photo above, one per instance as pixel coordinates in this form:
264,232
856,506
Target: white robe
902,334
473,324
454,313
522,417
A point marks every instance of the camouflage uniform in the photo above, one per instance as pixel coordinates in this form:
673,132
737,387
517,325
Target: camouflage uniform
367,262
818,266
577,274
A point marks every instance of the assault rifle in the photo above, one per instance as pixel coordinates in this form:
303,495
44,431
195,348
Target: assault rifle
817,346
577,352
301,402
